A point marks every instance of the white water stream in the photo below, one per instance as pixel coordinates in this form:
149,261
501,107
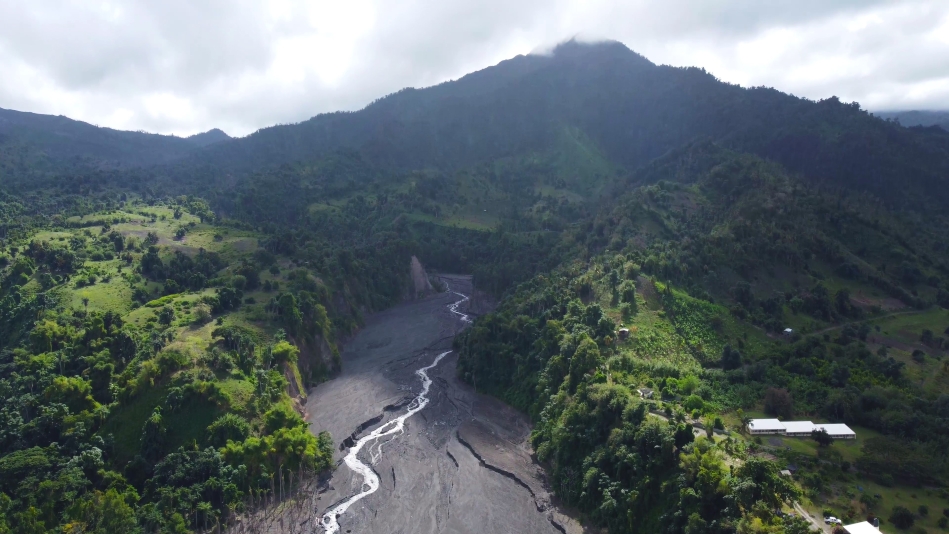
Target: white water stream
370,480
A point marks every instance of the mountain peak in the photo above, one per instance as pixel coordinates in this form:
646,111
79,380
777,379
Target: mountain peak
214,135
574,49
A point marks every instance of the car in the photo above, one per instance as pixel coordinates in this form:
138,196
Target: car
832,521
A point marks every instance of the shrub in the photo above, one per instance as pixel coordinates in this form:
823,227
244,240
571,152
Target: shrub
228,427
171,360
901,517
201,314
693,403
285,352
282,416
166,315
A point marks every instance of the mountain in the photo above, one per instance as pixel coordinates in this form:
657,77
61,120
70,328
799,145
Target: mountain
164,301
209,137
63,140
629,108
917,118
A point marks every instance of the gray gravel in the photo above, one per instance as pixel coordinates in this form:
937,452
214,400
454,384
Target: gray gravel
431,482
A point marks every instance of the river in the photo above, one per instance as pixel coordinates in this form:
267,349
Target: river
420,451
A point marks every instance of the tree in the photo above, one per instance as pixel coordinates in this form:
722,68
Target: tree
745,419
166,315
759,480
228,427
683,435
285,352
586,358
902,518
731,359
777,401
822,438
153,436
627,292
201,313
842,298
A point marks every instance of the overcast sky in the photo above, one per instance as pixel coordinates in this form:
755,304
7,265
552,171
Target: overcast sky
184,66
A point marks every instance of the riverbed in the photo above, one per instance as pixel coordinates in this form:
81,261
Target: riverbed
462,463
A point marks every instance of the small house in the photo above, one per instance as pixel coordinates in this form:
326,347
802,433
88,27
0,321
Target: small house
645,393
785,472
788,332
623,333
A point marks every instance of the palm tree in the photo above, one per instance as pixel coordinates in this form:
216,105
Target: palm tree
745,420
205,509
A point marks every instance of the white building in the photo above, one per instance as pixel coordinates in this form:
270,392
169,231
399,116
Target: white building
837,430
863,527
799,428
766,426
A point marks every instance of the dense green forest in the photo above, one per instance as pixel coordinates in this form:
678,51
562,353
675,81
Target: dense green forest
165,302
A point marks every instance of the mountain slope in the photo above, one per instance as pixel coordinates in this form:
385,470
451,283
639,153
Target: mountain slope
918,118
64,140
633,110
590,187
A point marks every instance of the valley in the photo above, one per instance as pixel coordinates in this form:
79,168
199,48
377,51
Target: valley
462,462
217,334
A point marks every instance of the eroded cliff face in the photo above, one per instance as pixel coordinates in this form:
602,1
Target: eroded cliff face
420,286
319,359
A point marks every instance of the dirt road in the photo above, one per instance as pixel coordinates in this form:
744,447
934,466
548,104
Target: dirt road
819,525
462,463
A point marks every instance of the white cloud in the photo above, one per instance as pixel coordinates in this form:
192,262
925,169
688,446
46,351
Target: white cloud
183,66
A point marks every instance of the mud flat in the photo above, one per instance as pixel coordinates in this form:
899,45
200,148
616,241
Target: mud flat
463,463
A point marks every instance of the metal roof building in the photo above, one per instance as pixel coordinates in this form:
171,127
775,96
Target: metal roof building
863,527
766,426
798,428
837,430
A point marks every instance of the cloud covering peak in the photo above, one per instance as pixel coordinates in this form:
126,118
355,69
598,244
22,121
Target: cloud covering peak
185,67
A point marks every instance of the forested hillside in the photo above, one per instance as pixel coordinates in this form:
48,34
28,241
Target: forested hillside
69,142
918,118
165,302
705,273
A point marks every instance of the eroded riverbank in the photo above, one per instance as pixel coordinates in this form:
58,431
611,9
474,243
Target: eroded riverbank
462,464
